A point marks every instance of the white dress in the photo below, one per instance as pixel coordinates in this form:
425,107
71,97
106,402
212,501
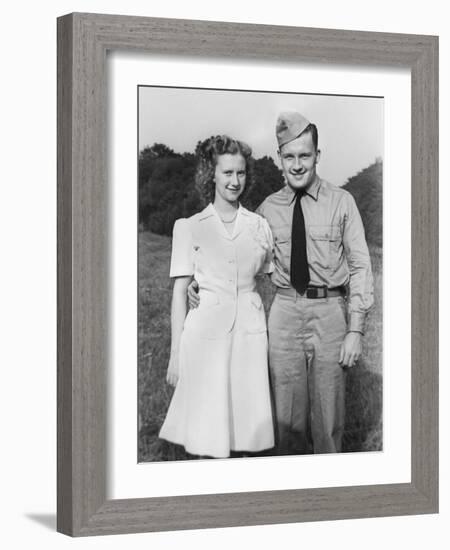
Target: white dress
222,399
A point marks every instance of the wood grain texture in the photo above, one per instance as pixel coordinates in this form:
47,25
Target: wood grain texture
64,276
424,258
83,40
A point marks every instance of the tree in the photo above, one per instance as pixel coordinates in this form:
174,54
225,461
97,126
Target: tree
268,179
367,190
166,188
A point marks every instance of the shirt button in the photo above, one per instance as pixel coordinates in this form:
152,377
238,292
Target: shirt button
231,261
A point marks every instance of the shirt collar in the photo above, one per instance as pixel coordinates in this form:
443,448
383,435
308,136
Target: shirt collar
312,191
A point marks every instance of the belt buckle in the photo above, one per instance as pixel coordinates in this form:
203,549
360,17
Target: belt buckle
318,292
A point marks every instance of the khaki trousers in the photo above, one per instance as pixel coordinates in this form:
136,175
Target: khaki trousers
308,384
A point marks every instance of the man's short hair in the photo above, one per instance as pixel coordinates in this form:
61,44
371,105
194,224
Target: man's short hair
312,129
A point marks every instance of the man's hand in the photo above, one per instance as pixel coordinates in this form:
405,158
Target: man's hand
350,349
172,370
193,297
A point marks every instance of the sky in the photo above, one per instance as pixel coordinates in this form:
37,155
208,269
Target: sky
350,128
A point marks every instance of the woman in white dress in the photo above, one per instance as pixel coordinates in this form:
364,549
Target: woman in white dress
218,359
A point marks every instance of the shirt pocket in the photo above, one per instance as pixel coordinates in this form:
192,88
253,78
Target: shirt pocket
282,246
324,246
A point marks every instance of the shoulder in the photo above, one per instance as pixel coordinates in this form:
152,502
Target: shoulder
251,216
256,223
183,227
180,224
254,218
274,199
191,221
328,189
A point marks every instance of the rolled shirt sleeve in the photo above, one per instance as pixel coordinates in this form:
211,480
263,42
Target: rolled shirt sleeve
182,262
360,298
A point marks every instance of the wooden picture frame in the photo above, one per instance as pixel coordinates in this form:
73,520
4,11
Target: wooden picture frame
83,41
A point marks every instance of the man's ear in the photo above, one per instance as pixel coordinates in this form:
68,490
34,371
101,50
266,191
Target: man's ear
317,156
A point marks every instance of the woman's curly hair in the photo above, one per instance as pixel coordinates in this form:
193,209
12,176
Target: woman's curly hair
207,152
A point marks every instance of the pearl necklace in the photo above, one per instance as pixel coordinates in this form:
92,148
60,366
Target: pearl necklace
229,221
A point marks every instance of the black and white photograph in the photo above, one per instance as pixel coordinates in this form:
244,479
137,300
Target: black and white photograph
223,317
260,266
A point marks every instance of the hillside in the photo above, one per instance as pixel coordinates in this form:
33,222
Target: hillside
367,189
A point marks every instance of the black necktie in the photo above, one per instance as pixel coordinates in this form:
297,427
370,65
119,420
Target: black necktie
299,257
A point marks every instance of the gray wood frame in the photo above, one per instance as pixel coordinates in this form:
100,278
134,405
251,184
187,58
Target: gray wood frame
83,40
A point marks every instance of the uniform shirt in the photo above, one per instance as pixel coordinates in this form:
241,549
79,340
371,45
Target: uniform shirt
336,245
225,267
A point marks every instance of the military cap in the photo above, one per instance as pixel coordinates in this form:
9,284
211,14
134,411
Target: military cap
290,125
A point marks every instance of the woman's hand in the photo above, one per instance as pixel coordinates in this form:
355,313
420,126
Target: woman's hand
193,297
173,370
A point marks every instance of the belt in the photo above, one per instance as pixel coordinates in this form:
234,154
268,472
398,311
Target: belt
314,292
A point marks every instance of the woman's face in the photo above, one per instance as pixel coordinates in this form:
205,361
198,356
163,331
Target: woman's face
229,177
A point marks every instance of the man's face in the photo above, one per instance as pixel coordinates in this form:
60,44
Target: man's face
298,160
230,177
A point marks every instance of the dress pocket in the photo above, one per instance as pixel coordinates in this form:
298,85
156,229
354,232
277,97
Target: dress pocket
253,317
211,319
256,300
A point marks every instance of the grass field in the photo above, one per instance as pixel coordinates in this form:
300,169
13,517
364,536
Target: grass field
363,430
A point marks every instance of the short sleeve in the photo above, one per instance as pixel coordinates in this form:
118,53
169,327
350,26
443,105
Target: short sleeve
268,266
181,263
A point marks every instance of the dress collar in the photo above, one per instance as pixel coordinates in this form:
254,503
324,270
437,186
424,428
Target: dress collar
211,212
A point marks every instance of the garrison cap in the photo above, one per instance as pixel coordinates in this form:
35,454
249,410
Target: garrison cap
290,125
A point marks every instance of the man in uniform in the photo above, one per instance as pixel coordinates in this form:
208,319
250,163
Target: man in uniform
324,289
